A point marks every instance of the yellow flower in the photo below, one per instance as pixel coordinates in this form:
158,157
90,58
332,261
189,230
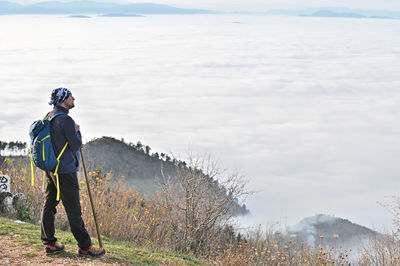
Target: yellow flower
99,202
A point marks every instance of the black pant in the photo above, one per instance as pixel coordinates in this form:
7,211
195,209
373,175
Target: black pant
69,194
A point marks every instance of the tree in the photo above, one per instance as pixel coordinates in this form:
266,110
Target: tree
3,146
200,210
147,149
11,146
139,145
22,147
15,147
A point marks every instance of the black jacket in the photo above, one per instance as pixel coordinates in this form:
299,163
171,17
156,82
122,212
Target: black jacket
62,129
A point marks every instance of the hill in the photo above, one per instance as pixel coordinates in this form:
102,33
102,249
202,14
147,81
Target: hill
331,14
92,7
337,12
130,161
330,232
20,245
140,169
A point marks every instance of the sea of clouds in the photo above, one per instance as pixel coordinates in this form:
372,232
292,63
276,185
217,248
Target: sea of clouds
306,108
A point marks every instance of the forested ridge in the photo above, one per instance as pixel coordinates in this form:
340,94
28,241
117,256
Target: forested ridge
138,166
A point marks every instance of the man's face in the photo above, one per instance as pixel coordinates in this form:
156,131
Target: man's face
69,102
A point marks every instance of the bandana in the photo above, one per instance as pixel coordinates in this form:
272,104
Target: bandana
58,96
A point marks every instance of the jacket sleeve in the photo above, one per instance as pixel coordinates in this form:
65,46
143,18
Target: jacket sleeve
74,138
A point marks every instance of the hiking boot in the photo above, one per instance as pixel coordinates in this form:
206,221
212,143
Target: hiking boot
91,251
54,249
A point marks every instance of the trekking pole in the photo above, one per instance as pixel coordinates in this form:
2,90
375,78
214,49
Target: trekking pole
91,201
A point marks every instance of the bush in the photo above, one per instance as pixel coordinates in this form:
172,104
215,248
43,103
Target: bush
188,216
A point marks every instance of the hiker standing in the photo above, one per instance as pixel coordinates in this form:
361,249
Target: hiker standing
63,129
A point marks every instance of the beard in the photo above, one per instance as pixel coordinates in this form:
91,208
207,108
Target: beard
71,105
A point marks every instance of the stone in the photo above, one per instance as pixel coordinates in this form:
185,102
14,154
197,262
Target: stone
4,183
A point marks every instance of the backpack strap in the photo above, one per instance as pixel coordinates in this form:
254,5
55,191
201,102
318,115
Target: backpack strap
55,172
48,117
33,178
58,158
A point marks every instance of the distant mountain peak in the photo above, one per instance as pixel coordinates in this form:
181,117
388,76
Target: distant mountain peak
93,7
337,12
330,231
309,223
333,14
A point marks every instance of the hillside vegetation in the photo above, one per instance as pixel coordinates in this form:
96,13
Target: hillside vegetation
332,232
134,162
189,215
140,168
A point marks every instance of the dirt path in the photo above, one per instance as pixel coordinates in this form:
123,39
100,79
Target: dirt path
14,253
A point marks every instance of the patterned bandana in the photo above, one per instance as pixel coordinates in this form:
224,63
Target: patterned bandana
58,96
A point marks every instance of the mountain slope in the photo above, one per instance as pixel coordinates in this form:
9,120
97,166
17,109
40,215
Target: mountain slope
330,231
337,12
139,168
91,7
331,14
129,161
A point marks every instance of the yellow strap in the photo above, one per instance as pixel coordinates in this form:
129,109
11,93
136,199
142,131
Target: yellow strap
55,172
44,158
46,118
58,189
32,176
65,146
58,185
48,136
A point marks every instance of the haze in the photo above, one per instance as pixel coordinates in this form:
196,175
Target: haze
262,5
306,108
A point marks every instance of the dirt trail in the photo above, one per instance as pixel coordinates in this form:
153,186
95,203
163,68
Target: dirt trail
14,253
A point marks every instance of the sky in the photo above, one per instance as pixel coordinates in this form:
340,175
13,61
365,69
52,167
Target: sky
259,5
306,108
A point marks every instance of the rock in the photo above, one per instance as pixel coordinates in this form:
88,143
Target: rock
9,202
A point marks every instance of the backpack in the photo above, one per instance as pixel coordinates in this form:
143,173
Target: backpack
42,151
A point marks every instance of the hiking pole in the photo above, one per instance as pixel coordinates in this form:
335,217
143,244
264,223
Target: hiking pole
91,201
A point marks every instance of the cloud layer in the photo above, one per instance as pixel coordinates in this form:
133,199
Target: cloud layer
306,107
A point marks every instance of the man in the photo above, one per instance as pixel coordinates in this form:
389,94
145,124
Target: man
63,129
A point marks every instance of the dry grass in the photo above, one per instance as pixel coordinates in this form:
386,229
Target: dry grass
172,222
269,247
382,250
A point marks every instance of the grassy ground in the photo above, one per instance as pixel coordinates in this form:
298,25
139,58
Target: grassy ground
28,235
